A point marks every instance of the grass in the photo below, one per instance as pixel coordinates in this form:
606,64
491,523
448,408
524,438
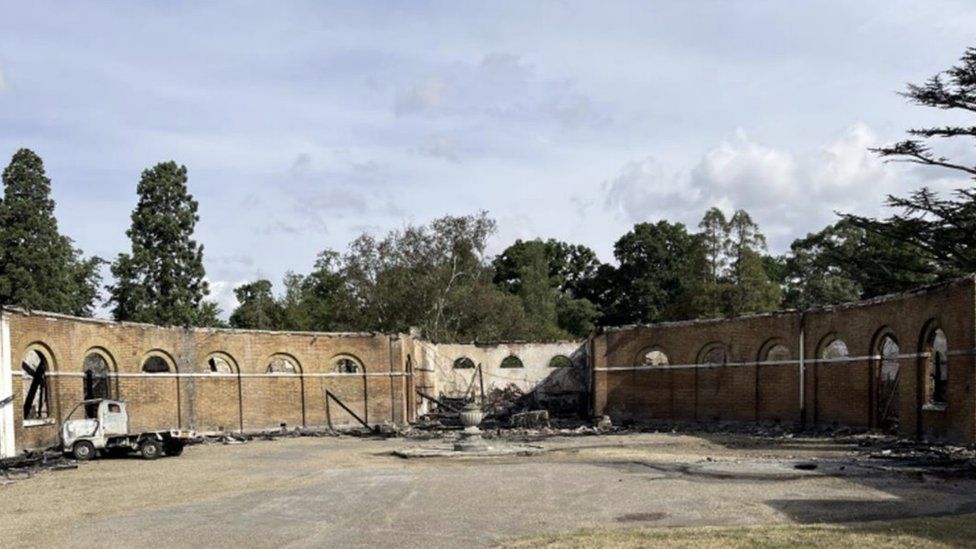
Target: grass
951,531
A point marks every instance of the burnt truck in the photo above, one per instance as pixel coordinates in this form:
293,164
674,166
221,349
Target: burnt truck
105,428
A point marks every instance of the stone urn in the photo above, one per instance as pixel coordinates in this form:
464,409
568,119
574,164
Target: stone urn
471,416
470,439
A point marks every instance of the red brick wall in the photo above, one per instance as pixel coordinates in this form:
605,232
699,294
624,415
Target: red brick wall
190,395
836,393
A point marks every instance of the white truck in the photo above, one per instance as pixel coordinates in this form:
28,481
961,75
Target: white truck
106,428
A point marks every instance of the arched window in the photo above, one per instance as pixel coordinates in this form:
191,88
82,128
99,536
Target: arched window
348,364
34,368
654,357
97,371
887,385
512,361
282,365
715,354
888,349
777,353
155,364
463,363
219,363
560,361
834,350
936,368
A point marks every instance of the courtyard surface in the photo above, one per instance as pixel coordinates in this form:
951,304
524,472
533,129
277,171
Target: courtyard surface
611,490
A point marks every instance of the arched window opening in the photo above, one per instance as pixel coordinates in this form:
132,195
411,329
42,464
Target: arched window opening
155,364
512,361
888,373
97,371
346,364
220,364
97,380
778,353
34,368
560,361
834,350
463,363
715,355
936,368
654,357
282,365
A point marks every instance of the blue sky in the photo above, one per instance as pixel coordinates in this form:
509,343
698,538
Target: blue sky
303,124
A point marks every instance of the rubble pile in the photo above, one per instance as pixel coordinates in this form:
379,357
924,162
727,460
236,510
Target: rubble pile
25,465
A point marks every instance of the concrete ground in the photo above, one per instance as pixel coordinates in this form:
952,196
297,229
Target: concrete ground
351,492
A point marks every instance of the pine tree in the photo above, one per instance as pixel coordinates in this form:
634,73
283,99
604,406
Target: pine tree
714,238
537,294
708,289
750,289
39,267
162,280
941,230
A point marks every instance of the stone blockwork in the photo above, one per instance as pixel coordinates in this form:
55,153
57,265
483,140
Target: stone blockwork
554,375
789,368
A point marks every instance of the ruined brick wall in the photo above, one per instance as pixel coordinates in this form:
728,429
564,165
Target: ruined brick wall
744,369
553,375
751,385
244,397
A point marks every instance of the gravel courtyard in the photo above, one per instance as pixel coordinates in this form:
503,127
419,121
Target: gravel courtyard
351,492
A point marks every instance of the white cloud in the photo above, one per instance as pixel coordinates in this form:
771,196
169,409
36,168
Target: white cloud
222,293
788,193
3,81
644,190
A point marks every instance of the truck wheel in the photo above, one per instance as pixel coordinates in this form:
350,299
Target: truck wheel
150,448
83,450
173,448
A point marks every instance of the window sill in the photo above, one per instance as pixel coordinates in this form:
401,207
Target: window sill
38,422
934,407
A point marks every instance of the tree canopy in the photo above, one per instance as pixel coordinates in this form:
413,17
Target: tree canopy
39,267
162,279
940,229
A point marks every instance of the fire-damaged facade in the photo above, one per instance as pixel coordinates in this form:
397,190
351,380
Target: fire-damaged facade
904,363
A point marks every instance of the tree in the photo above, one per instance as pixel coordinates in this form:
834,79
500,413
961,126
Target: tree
257,307
749,288
706,288
568,272
537,293
845,262
728,269
162,280
321,300
942,230
648,284
39,267
433,277
714,237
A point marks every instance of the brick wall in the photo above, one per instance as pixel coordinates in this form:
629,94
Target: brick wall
189,395
844,391
744,387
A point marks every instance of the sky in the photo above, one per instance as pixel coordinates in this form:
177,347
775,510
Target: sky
304,124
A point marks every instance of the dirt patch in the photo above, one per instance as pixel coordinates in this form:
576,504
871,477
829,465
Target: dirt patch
641,517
